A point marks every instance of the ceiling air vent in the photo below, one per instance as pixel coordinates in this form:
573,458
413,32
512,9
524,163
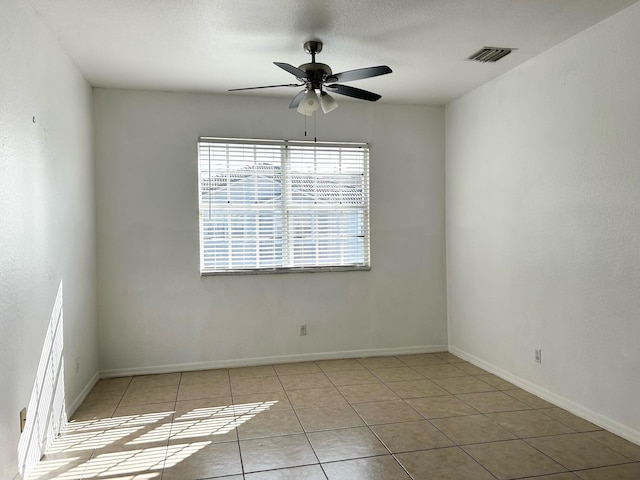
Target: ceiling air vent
490,54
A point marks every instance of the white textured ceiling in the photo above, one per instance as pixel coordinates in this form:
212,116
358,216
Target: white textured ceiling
214,45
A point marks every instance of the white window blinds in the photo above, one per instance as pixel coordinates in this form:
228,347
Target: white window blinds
277,205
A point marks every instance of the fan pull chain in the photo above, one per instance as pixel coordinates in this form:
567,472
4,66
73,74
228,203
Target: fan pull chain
315,123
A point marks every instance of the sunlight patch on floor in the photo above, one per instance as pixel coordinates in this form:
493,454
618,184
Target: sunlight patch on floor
89,440
47,467
139,463
107,423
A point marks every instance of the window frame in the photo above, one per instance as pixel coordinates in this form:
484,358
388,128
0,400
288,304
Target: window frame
363,211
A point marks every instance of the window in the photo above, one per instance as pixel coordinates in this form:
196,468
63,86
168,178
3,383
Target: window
271,206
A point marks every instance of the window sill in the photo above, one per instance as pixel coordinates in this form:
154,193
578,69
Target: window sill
263,271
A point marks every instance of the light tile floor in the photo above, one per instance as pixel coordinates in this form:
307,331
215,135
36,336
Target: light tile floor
427,416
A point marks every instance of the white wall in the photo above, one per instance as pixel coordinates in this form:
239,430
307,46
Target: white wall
157,313
47,228
543,223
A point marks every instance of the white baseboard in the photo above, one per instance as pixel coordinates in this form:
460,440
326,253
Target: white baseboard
72,407
251,361
575,408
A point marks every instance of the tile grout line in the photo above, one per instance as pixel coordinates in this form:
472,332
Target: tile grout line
173,421
375,434
94,451
286,394
235,421
577,469
455,444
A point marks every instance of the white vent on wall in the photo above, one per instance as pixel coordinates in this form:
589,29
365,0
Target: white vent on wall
490,54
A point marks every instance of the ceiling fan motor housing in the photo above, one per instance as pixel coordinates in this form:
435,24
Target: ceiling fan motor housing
317,73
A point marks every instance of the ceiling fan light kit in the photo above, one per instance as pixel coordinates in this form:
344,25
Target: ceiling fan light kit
309,104
327,102
317,78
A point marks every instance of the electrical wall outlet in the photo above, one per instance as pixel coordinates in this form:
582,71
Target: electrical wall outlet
303,330
538,355
23,419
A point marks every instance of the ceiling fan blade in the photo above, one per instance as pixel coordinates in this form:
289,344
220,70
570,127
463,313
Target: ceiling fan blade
360,73
297,99
266,86
353,92
293,70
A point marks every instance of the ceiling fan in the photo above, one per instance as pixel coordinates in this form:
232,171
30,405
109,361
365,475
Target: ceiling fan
318,80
